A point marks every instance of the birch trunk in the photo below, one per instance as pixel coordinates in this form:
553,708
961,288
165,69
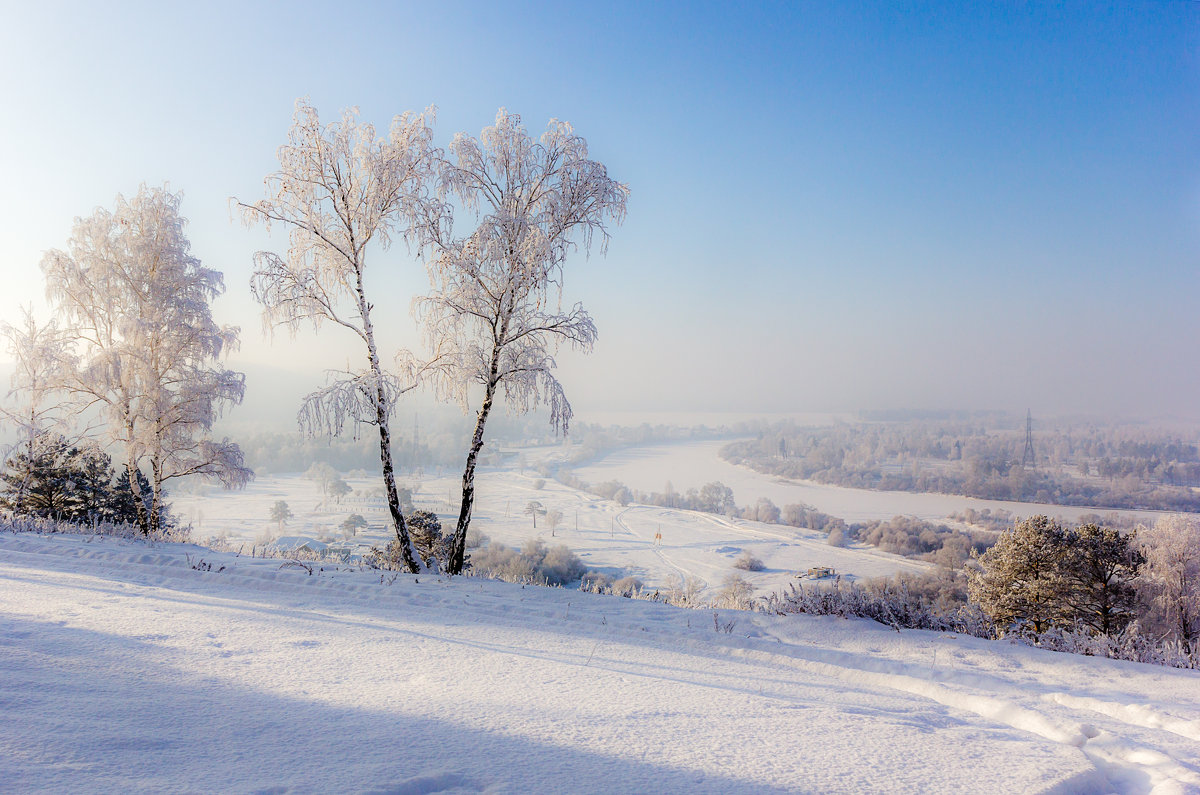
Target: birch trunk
385,438
389,481
458,551
459,547
156,497
139,506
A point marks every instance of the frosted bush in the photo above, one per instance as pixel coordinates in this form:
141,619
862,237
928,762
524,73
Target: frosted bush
892,603
500,562
747,562
1132,644
15,523
689,592
735,594
595,582
476,538
887,603
944,590
389,558
535,549
627,586
560,566
535,563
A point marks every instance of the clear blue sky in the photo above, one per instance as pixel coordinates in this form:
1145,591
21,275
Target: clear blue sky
834,204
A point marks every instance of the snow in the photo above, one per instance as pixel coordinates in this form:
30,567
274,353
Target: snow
610,538
126,669
295,543
130,666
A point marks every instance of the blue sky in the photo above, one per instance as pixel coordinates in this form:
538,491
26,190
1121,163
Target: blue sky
834,205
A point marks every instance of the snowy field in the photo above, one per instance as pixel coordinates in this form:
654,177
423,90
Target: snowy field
125,669
618,541
609,538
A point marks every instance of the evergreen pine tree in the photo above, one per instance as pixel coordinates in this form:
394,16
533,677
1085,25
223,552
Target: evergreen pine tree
1099,568
1020,579
52,478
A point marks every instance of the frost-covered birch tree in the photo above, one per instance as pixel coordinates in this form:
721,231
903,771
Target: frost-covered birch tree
33,406
135,305
339,189
495,309
1172,575
38,352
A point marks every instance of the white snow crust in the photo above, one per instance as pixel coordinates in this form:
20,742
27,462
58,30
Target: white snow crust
123,668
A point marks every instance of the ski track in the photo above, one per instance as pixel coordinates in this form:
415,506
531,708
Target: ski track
1134,744
657,549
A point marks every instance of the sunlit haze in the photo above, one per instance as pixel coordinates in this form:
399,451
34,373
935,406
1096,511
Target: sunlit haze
833,206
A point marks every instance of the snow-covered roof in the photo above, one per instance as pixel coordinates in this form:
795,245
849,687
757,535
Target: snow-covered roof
291,543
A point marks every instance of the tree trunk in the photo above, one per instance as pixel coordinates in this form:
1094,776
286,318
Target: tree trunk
459,547
139,506
1186,636
385,434
156,497
389,482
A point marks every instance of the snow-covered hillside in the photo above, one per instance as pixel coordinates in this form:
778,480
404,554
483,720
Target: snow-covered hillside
135,667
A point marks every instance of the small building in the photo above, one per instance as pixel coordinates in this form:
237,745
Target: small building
820,573
292,544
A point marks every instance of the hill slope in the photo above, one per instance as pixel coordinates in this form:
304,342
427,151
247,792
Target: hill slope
124,668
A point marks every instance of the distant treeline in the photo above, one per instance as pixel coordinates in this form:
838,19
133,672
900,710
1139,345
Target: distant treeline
716,498
1109,467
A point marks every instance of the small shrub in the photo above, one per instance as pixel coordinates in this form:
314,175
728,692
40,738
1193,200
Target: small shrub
534,563
836,537
388,558
502,563
24,523
627,586
735,593
535,549
888,602
747,562
426,531
539,484
595,582
560,566
689,594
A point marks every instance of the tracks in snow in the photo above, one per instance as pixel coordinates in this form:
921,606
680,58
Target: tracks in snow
684,574
1138,747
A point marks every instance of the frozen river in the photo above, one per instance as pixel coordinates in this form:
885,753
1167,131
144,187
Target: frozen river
692,464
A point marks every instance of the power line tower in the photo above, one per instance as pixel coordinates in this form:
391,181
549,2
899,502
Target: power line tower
1028,459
